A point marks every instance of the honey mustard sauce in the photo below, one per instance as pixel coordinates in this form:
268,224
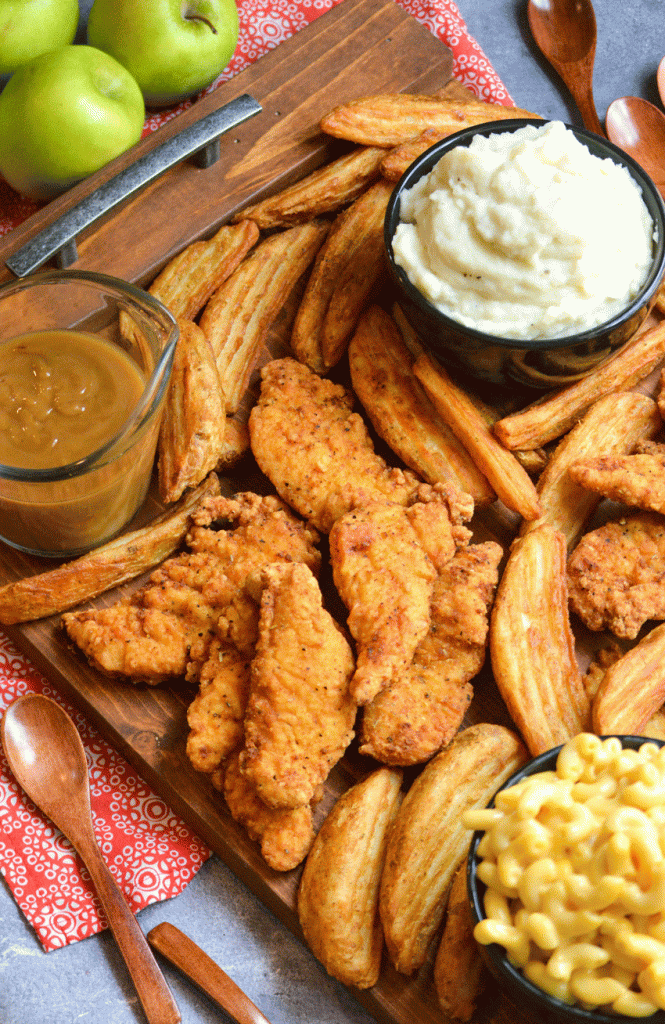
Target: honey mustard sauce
63,395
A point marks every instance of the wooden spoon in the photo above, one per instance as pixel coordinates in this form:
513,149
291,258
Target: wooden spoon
46,756
565,33
189,958
638,127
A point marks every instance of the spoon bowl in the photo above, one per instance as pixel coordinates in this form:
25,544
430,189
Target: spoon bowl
638,127
47,758
660,81
565,33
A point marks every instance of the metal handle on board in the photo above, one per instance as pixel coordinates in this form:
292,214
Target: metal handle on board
200,141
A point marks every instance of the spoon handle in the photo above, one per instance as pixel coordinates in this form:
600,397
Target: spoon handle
585,103
189,958
155,996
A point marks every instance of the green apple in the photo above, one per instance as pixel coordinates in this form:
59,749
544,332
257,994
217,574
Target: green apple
31,27
173,48
63,116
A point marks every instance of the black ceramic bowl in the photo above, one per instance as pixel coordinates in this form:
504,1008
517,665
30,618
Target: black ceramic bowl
545,363
521,991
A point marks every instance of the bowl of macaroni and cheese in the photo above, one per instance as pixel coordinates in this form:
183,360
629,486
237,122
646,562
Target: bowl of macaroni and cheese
525,250
566,877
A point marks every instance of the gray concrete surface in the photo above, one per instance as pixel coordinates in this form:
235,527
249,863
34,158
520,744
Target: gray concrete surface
87,982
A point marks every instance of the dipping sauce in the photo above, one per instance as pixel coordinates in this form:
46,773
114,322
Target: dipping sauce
574,864
526,235
63,395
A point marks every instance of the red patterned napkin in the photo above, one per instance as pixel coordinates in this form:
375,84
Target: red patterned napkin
150,851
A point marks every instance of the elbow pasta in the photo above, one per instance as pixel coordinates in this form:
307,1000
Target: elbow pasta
573,861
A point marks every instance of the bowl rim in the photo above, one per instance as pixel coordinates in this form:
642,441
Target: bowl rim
426,161
494,953
155,384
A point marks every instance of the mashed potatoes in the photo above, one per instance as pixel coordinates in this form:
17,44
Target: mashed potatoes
526,234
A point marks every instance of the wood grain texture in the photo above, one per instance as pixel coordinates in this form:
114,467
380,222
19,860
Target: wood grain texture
359,47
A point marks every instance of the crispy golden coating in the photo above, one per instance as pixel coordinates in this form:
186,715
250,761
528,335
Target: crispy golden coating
164,629
400,411
323,191
637,479
632,689
384,575
235,444
428,840
108,566
316,452
553,416
422,709
611,425
616,574
216,715
238,315
300,713
458,967
532,645
192,431
389,119
286,836
339,888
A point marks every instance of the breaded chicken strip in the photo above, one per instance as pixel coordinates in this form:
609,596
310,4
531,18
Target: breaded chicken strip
316,452
384,564
286,836
422,709
300,714
165,628
637,479
216,715
616,575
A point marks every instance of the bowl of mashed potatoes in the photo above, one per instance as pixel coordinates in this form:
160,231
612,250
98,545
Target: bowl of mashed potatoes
566,877
525,250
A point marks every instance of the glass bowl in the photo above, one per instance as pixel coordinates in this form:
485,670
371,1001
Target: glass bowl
522,992
542,364
66,509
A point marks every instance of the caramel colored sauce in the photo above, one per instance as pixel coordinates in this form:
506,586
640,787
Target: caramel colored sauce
63,394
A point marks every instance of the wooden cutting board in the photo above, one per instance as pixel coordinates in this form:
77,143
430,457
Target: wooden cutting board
358,48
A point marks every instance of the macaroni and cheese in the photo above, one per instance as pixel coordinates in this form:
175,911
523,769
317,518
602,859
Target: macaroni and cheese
574,865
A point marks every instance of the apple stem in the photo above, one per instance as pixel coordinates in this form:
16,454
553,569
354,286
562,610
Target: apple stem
199,17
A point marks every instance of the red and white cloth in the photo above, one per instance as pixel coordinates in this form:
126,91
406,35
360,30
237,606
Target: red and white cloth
151,852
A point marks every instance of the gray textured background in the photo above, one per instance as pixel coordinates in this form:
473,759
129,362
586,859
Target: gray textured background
87,982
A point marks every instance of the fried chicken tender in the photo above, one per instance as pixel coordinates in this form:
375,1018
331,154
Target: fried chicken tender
316,452
421,711
286,836
384,560
637,479
216,715
300,713
165,628
616,575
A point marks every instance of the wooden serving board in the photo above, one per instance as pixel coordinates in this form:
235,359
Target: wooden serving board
360,47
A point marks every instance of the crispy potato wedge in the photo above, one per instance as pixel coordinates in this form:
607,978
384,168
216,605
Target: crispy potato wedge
613,425
532,646
428,841
458,967
400,411
363,219
189,279
235,444
122,559
194,420
390,119
339,888
358,278
632,689
237,317
551,417
326,190
508,478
